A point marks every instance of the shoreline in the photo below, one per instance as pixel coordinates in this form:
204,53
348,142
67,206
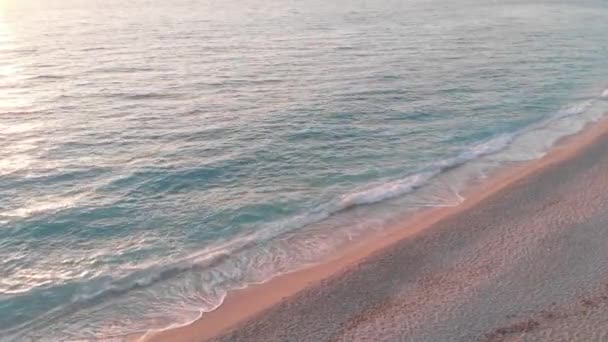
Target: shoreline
261,298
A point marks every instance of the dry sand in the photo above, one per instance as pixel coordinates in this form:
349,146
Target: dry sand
524,258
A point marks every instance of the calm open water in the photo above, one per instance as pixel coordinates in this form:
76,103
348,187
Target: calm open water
156,154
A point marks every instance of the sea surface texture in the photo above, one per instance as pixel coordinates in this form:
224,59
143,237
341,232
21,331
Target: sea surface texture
157,154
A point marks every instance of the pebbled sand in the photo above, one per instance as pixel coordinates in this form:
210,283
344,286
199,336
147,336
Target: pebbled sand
524,258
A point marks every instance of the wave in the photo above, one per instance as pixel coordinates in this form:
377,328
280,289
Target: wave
143,278
409,183
412,182
109,287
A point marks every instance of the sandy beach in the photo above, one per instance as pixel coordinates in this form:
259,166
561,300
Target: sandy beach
523,258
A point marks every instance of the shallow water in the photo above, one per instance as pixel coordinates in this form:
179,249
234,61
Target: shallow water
156,155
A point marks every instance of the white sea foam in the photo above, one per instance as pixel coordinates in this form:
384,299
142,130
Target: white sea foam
399,187
384,191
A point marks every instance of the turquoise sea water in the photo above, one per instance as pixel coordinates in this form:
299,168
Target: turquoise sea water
156,154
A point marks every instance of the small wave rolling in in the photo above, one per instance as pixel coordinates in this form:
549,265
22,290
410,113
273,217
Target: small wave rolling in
156,155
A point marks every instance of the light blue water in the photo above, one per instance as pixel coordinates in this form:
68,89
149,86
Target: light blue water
156,154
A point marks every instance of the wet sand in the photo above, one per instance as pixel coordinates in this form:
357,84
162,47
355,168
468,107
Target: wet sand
525,257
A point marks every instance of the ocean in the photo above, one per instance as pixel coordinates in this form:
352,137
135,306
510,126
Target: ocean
158,154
